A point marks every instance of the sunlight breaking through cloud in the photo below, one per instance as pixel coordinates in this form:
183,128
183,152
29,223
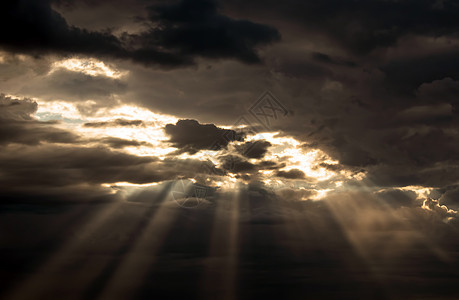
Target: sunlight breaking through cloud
88,66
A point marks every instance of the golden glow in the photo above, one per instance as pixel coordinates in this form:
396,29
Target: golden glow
289,150
421,191
321,194
64,109
128,184
151,134
4,56
88,66
152,141
352,175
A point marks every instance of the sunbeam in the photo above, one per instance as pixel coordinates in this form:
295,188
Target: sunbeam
222,262
128,276
44,277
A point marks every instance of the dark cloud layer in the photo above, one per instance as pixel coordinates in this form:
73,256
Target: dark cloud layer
175,39
196,27
362,26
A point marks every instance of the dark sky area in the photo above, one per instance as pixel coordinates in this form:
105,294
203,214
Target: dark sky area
229,149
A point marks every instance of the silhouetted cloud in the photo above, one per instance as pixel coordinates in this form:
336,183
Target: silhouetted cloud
291,174
116,122
254,149
191,136
120,143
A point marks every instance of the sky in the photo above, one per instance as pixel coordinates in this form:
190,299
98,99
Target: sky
227,149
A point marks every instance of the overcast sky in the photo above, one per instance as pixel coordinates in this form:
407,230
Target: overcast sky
325,131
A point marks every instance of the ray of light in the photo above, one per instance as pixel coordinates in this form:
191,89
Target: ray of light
42,280
129,274
296,229
379,233
221,267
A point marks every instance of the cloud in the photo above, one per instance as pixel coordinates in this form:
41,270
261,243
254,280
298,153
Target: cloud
398,198
43,162
195,27
327,59
450,198
236,164
115,123
406,74
291,174
371,84
33,133
60,166
40,30
441,211
15,109
191,136
359,26
19,126
74,86
117,143
177,37
253,149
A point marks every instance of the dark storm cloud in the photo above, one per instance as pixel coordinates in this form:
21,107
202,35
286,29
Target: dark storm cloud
121,143
270,165
324,58
440,92
196,27
245,169
399,139
254,149
295,194
301,68
361,26
190,136
33,133
60,166
405,75
75,173
115,123
236,164
291,174
39,29
178,34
